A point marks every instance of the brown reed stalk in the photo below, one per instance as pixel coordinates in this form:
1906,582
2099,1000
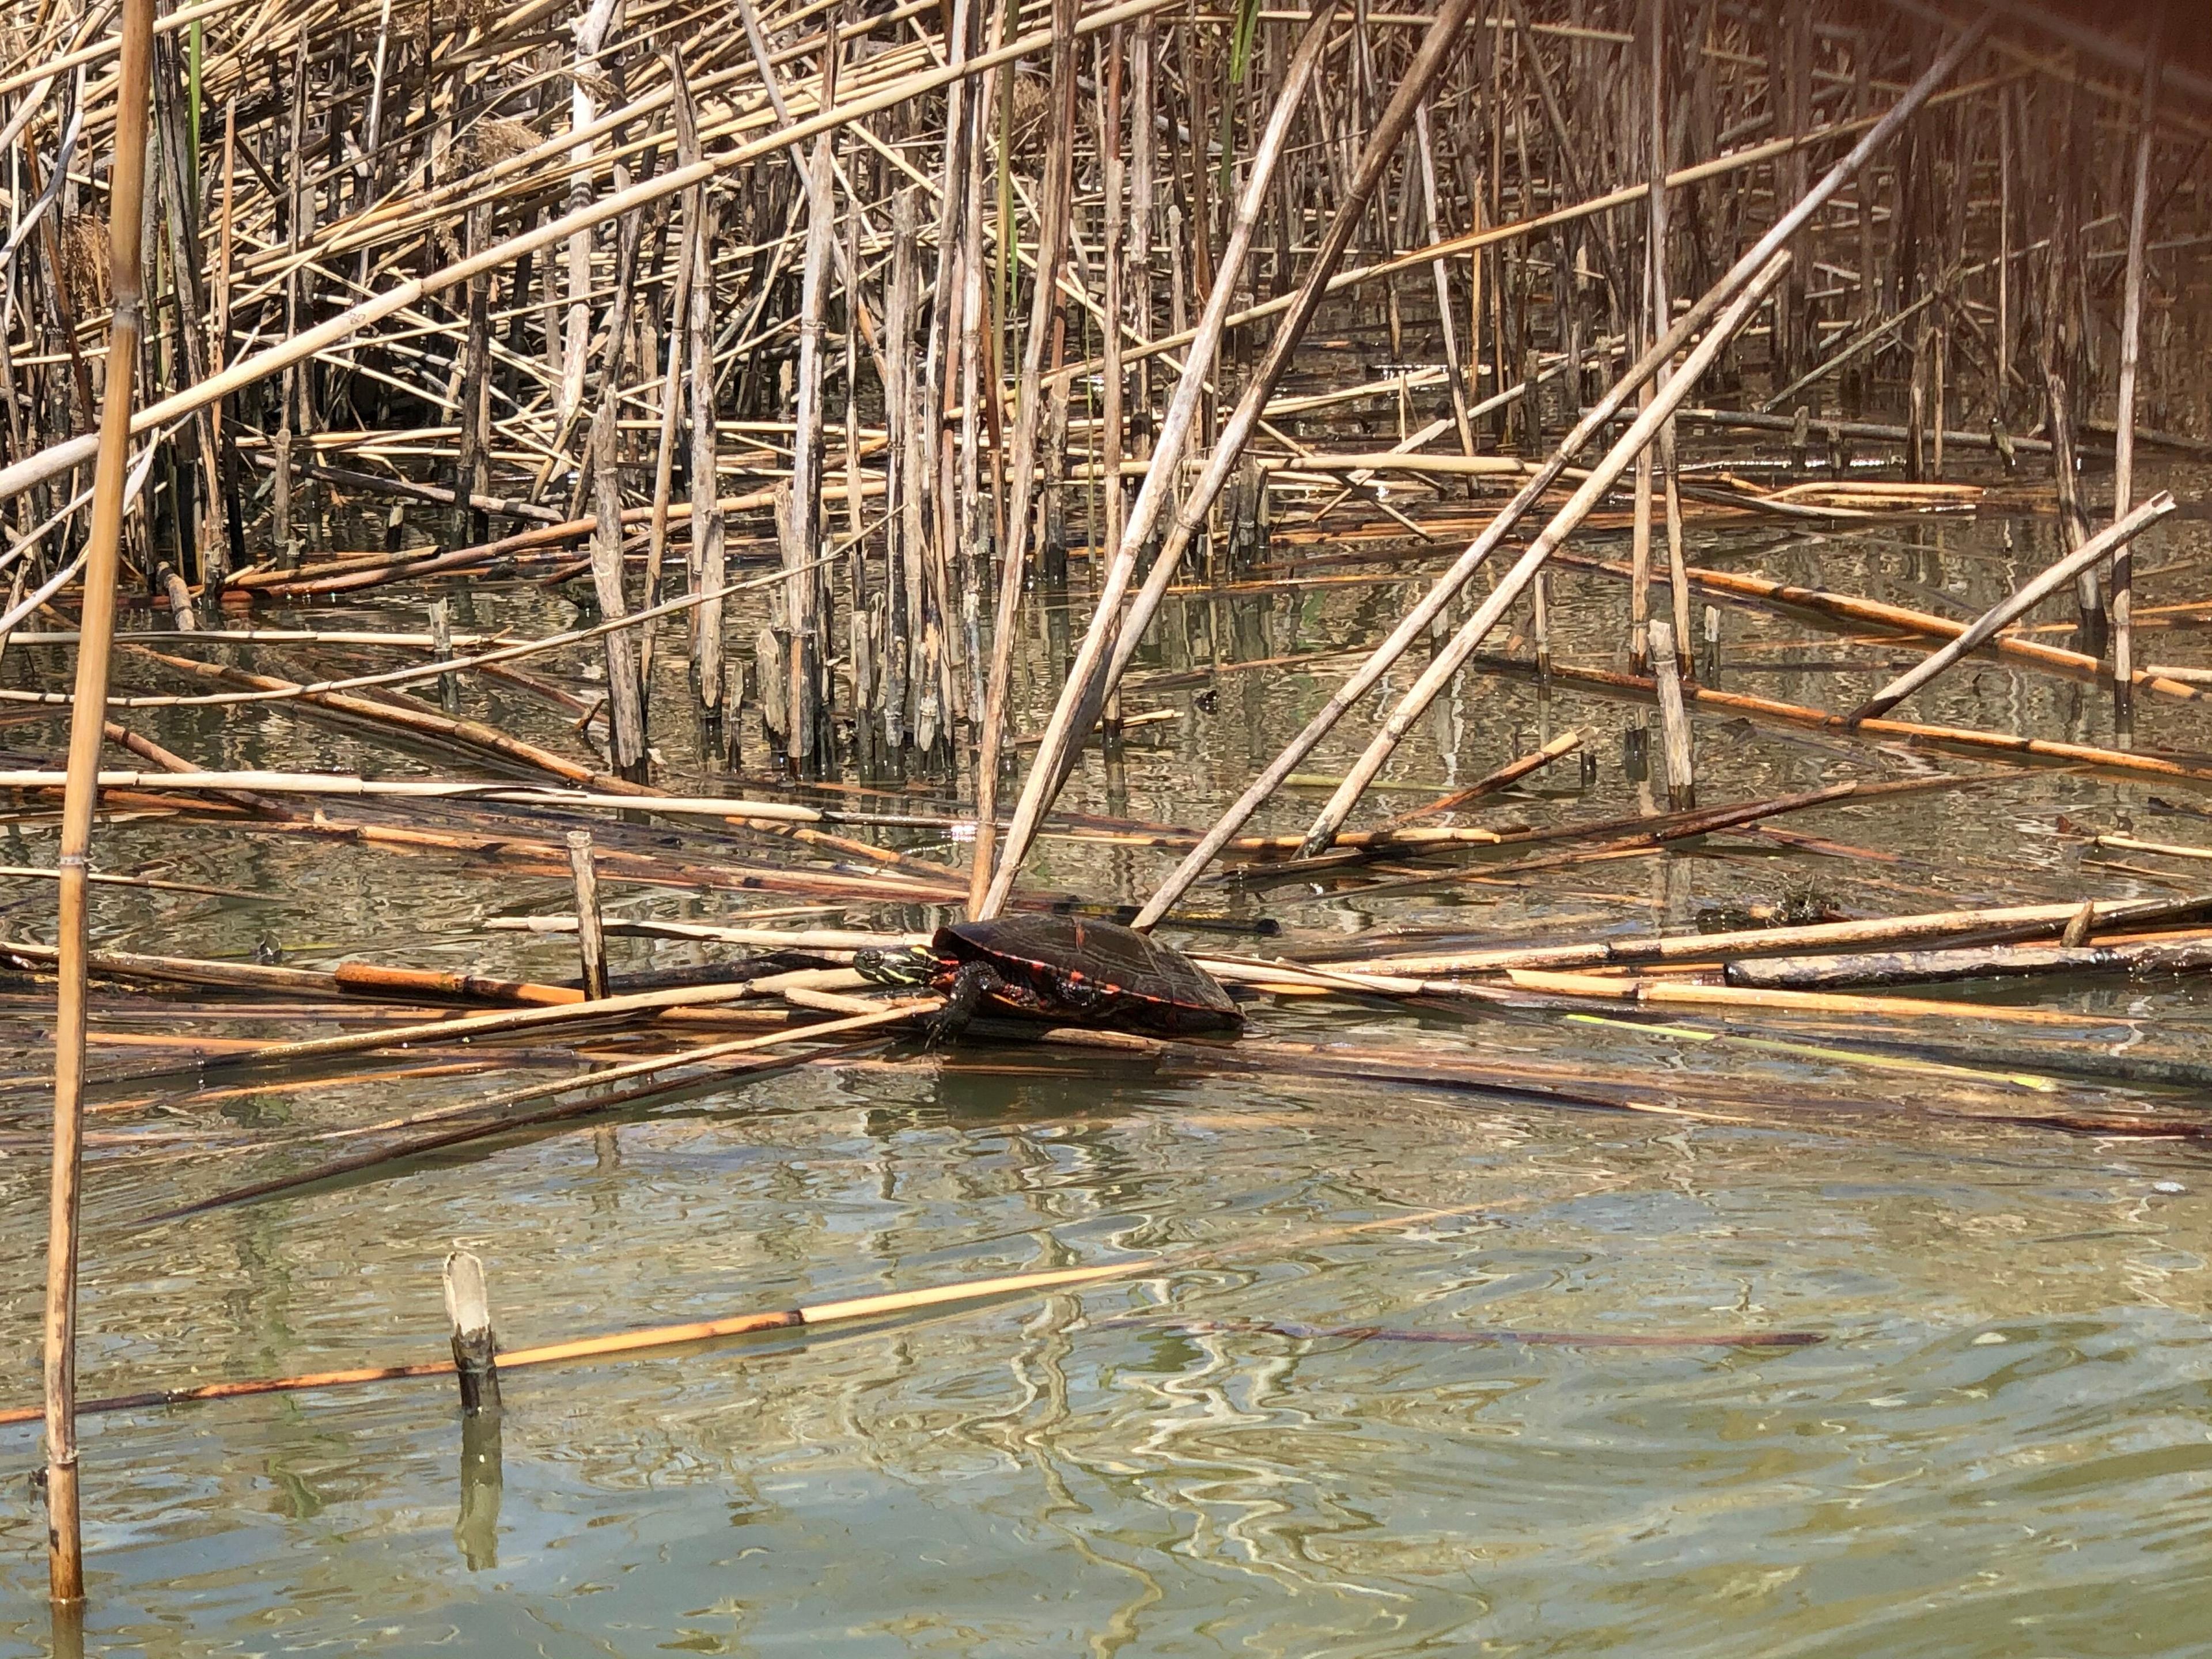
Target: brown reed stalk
64,1528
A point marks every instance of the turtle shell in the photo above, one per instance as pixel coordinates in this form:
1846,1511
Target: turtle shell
1082,972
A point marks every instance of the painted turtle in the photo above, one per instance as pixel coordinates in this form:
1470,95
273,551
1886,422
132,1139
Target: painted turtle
1067,970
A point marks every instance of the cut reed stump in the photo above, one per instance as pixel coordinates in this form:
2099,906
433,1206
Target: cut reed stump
476,1349
591,938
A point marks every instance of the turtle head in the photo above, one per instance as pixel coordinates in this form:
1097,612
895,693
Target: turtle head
911,966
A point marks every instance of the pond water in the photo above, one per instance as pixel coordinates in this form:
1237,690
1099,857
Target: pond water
1994,1437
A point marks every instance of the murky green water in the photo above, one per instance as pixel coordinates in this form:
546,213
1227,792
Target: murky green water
2001,1444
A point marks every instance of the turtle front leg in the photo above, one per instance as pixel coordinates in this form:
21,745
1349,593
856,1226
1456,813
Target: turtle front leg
975,982
1083,1001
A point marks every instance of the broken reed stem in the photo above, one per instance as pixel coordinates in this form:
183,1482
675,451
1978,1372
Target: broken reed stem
1613,988
1848,607
625,692
2031,593
286,690
475,1348
2008,923
1674,718
590,938
878,1306
2123,434
2188,953
653,1071
1961,739
1504,777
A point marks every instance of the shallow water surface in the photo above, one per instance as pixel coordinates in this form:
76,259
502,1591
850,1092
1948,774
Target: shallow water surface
2001,1443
